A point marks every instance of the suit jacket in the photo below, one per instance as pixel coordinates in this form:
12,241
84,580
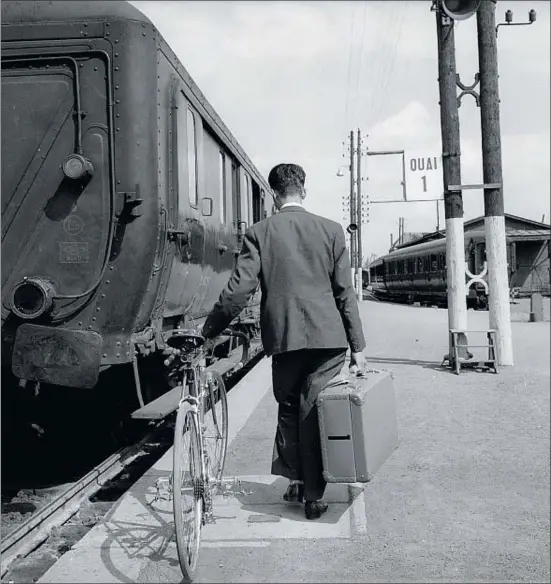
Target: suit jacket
307,301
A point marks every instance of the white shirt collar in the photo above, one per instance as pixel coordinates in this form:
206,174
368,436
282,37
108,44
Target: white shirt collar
291,205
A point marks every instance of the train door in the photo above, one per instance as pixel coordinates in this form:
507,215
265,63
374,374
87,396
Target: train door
187,281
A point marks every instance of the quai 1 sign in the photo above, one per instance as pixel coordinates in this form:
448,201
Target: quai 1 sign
423,174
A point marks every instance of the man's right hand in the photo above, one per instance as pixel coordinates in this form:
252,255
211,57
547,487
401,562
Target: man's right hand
358,363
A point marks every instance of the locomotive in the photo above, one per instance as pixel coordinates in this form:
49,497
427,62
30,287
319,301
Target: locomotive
417,273
125,198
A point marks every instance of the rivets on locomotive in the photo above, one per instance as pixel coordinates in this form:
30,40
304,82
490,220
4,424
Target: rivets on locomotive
104,355
98,309
118,343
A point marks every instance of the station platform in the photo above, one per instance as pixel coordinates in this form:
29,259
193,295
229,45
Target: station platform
464,498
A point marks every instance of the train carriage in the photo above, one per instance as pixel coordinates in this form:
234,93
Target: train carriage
416,272
124,196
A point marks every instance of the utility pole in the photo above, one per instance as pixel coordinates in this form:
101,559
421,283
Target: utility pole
352,208
453,200
494,220
359,218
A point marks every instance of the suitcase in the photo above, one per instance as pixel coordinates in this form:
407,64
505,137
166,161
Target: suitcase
358,426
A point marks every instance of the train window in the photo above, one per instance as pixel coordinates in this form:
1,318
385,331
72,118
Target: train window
192,158
222,183
250,201
433,263
441,261
263,212
420,265
256,202
236,197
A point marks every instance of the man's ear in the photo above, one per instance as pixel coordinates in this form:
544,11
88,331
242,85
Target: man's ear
303,193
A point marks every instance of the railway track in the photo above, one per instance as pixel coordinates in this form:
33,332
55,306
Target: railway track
114,474
32,532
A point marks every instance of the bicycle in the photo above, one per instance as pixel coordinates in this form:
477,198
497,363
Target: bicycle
200,445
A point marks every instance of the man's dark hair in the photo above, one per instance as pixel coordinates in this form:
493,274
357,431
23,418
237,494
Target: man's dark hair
286,178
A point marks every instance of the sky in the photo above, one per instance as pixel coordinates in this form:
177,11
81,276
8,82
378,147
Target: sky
292,79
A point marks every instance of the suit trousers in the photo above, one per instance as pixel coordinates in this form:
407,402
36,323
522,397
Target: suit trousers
298,377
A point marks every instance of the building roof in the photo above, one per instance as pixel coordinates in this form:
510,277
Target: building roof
508,216
533,230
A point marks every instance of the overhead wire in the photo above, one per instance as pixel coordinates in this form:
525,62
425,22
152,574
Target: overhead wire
382,95
381,70
347,95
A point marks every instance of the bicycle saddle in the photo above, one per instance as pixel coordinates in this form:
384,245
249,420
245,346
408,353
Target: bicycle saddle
185,340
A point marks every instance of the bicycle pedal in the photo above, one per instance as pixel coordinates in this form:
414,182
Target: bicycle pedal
163,487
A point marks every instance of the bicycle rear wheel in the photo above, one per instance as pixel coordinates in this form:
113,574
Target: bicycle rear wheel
215,421
187,484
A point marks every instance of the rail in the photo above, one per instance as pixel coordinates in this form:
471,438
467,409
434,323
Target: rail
36,529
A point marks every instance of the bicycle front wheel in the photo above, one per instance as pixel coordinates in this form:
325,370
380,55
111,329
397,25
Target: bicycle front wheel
187,485
215,420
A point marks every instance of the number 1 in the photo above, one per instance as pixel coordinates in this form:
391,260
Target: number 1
424,179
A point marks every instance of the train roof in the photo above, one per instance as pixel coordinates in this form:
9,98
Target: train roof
70,11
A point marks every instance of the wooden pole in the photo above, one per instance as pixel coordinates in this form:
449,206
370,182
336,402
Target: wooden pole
352,206
494,219
451,166
359,279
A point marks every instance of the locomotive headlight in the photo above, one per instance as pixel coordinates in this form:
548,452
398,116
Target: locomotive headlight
32,298
77,167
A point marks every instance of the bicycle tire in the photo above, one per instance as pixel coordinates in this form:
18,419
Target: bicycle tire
215,437
187,515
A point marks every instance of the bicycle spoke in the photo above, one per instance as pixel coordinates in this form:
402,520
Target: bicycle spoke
215,426
187,491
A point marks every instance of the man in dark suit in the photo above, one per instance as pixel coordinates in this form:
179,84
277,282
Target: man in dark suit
308,317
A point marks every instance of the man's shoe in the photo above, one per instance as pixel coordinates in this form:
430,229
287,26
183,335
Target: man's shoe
315,509
295,492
